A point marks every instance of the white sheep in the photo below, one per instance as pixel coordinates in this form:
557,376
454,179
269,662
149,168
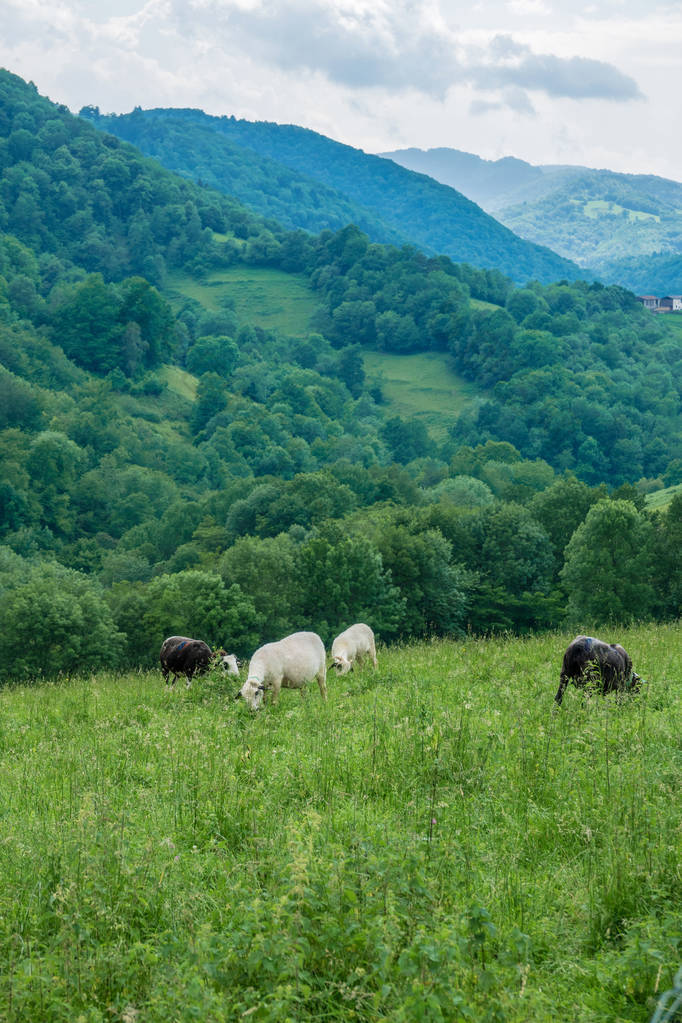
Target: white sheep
228,662
353,645
291,663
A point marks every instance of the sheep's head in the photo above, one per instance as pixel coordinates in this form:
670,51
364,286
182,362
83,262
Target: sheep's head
228,662
636,682
342,664
252,691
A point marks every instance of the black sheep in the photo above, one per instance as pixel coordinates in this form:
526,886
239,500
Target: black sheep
607,665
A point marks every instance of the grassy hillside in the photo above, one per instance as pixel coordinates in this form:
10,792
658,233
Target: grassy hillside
263,296
433,843
179,382
391,203
660,499
423,387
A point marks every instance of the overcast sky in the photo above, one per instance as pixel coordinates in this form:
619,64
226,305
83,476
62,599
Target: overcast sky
598,84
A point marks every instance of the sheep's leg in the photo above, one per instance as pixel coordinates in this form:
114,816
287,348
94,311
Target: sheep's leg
322,682
563,682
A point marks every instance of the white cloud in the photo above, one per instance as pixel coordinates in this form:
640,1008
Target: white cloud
523,77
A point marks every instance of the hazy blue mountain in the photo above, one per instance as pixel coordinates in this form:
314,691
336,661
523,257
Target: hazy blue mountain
282,161
486,182
627,227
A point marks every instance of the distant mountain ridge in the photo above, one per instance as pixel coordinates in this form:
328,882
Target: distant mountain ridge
486,182
627,227
259,162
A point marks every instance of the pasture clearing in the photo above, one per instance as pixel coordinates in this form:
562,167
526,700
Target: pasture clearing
434,843
261,296
596,208
422,386
660,499
179,381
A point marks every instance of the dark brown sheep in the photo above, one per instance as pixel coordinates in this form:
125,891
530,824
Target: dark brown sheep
607,665
183,656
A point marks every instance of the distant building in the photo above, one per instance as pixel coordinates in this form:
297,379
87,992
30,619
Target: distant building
649,301
673,303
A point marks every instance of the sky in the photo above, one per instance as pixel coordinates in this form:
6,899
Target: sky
595,83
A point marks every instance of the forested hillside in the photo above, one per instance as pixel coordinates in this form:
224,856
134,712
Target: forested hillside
189,442
391,199
626,227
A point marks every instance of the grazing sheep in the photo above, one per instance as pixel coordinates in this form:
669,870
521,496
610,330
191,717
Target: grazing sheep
590,660
353,645
291,663
228,662
183,656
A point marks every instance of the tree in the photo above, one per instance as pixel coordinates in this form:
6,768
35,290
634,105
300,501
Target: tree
265,569
342,580
466,491
406,439
351,369
434,589
515,552
141,304
53,461
668,559
562,507
55,621
190,603
608,571
210,400
213,354
87,326
522,302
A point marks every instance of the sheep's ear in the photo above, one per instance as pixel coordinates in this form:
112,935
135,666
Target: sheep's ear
237,694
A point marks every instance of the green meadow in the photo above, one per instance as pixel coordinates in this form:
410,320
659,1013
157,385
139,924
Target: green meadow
422,386
660,499
262,296
179,382
595,208
436,842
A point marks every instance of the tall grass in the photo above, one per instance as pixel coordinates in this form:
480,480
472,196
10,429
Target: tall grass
434,843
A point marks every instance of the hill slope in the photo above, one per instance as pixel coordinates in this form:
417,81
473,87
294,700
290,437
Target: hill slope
392,201
190,445
628,227
79,200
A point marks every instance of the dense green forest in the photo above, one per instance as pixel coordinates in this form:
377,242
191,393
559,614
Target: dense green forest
393,202
170,464
268,187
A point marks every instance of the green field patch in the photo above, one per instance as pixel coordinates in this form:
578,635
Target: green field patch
660,499
422,386
261,296
179,381
478,303
673,322
596,208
